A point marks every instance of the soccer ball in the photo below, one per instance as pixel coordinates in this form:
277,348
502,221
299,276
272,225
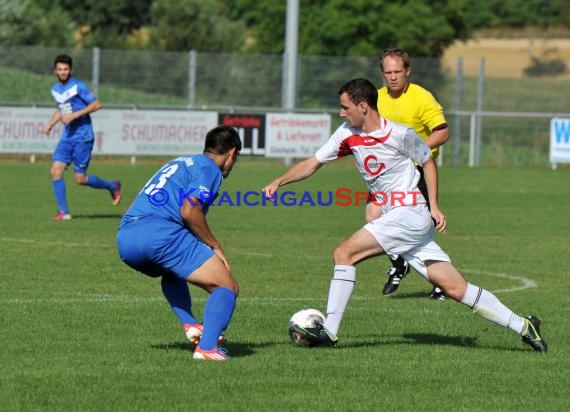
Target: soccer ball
310,320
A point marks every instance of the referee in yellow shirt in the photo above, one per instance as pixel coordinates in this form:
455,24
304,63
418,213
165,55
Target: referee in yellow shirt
412,105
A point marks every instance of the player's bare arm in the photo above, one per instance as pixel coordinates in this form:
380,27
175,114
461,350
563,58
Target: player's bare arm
69,117
430,175
193,215
439,135
300,171
51,123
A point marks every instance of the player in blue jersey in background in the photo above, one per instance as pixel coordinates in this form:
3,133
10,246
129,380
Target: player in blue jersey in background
164,233
75,102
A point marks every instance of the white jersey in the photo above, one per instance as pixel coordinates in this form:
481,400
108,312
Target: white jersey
385,159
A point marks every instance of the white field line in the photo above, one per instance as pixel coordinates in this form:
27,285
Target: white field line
112,245
55,243
523,282
110,298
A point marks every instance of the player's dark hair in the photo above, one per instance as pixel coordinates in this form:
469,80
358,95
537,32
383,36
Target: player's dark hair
63,58
221,140
395,52
361,90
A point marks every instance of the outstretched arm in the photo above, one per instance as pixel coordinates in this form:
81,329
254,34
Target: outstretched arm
192,212
300,171
430,176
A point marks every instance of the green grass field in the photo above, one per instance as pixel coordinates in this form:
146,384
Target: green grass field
82,331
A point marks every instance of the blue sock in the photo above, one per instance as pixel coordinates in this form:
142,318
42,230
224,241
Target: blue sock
98,183
59,192
176,292
217,314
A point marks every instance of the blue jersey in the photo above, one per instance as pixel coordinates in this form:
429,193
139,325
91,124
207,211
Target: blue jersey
71,97
164,194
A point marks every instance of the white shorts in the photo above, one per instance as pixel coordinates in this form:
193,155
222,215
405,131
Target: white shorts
408,231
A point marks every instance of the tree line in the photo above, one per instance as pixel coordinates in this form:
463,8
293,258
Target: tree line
326,27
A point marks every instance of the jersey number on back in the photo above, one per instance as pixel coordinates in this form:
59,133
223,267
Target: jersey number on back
162,175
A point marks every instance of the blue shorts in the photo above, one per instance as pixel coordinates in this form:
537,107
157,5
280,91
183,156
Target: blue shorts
155,246
78,152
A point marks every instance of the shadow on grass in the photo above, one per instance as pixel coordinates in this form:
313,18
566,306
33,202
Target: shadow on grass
235,349
428,339
433,339
415,295
414,339
463,341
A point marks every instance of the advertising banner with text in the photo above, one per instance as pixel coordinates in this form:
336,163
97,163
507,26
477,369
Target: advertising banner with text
295,135
560,141
21,131
251,129
123,132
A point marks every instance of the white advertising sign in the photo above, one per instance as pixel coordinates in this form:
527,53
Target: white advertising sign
21,131
560,141
295,135
124,132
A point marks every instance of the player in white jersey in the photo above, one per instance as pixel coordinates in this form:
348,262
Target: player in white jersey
385,153
384,159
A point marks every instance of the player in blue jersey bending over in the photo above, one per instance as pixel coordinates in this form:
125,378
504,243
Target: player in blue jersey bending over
75,103
165,233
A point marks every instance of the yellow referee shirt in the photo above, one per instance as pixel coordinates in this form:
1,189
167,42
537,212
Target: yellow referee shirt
416,108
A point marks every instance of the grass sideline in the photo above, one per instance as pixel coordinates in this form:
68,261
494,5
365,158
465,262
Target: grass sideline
81,331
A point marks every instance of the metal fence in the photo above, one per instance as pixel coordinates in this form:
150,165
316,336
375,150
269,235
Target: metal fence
495,119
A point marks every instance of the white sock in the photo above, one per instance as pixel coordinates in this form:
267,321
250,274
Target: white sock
340,291
486,305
